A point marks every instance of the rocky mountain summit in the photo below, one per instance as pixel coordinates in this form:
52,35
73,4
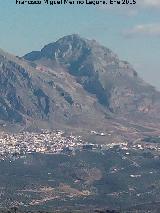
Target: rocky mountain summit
114,82
73,82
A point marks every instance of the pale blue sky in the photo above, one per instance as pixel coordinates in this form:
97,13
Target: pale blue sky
132,32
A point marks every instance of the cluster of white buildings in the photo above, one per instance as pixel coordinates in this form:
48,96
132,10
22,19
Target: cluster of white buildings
44,142
54,142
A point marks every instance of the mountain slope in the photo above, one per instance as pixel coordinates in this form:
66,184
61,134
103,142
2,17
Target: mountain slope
35,94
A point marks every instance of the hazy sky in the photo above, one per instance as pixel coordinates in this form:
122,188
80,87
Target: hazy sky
133,32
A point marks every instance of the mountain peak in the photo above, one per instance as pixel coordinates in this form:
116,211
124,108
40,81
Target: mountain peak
71,37
71,47
96,68
76,38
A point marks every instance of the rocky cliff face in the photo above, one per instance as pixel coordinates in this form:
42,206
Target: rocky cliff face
73,81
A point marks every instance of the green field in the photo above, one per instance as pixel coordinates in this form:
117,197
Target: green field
108,179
